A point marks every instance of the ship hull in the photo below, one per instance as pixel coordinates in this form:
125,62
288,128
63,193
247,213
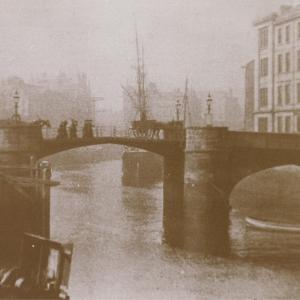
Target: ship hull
271,226
141,168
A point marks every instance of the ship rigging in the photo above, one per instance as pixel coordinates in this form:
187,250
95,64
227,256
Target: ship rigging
143,126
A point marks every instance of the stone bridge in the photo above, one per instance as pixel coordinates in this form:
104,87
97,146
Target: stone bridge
199,171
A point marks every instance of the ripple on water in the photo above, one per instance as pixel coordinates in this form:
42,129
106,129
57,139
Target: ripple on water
119,251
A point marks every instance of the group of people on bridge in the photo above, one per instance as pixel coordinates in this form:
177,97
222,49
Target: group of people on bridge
64,131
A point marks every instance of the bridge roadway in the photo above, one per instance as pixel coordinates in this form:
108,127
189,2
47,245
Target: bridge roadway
232,141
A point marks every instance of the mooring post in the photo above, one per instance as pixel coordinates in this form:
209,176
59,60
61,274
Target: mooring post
205,206
45,198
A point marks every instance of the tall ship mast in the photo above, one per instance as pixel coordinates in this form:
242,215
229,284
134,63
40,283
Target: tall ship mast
140,78
141,126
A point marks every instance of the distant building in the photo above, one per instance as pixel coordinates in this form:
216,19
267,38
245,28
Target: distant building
161,106
249,96
57,99
277,72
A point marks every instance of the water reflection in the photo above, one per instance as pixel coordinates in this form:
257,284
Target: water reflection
264,247
206,221
120,251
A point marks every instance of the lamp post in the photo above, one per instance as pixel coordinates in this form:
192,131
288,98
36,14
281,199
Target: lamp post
16,117
178,105
209,111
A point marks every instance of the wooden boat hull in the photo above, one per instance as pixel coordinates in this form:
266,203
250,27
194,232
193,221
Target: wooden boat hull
271,226
272,195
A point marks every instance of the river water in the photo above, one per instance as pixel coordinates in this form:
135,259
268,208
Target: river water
120,252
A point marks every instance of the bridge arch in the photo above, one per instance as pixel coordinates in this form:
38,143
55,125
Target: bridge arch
246,162
161,147
173,174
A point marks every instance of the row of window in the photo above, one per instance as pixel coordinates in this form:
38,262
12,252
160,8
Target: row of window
287,34
264,64
283,95
263,97
287,62
283,35
263,38
264,67
284,124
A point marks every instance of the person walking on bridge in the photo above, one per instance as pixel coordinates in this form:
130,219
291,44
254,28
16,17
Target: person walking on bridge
62,132
87,131
73,129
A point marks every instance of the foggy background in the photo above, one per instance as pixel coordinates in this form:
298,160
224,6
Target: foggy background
208,41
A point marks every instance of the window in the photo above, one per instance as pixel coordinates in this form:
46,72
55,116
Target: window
279,63
287,34
279,96
263,124
263,97
263,38
279,124
298,92
264,67
287,124
287,94
279,35
287,62
298,123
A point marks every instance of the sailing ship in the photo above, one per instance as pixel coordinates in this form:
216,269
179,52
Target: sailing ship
140,167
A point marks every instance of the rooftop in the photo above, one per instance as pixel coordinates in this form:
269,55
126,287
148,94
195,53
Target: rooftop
285,13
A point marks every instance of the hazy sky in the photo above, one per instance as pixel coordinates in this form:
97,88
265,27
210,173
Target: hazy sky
206,40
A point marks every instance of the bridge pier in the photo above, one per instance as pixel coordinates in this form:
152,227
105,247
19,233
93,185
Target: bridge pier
205,204
173,199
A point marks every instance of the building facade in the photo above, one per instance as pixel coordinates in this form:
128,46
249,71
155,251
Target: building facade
55,99
249,96
277,72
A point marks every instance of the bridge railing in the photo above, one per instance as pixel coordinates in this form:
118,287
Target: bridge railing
98,131
114,131
264,140
101,131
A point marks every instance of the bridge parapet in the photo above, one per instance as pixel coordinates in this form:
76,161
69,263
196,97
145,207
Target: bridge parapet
205,139
98,131
276,141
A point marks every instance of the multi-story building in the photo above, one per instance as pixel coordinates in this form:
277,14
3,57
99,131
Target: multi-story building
277,72
56,99
249,96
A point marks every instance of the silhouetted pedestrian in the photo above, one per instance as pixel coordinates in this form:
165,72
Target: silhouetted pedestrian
62,132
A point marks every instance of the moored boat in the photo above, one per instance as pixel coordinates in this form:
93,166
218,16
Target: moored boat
271,226
270,199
